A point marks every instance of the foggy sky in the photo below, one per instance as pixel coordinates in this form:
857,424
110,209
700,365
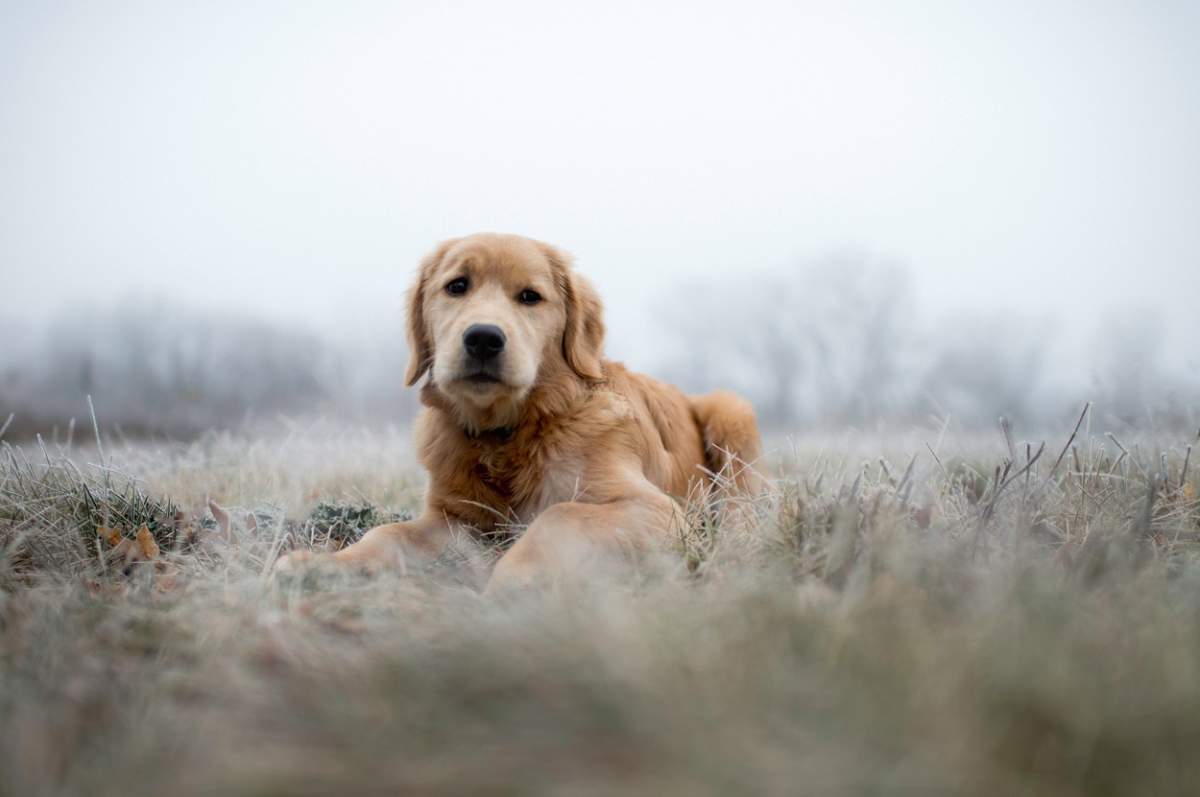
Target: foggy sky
296,163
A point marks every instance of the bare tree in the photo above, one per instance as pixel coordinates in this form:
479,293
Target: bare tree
820,342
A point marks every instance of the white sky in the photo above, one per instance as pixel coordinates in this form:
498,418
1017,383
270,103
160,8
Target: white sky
296,163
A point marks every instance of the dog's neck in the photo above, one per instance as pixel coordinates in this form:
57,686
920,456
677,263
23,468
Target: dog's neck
473,420
555,394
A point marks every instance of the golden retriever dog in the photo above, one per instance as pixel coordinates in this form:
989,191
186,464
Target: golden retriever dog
526,424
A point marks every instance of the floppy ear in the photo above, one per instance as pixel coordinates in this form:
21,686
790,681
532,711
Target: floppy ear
420,351
583,336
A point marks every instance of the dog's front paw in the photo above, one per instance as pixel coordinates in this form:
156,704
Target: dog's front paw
295,562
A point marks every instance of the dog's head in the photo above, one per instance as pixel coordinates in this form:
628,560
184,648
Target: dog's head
492,315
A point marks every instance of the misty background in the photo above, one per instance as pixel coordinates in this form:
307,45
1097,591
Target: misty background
856,213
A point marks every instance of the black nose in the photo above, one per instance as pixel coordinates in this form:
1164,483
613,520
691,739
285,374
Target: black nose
483,341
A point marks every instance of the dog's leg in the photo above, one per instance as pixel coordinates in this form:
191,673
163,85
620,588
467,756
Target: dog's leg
574,538
392,545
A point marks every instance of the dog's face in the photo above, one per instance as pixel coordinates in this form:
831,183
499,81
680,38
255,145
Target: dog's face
490,315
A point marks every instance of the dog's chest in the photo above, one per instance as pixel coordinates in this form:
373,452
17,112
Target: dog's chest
490,482
527,485
562,480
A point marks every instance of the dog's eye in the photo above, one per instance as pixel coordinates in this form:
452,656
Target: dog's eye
529,296
457,287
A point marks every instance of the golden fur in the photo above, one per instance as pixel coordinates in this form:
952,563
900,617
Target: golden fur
593,458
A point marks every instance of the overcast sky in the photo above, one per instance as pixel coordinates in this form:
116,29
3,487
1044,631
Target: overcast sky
297,162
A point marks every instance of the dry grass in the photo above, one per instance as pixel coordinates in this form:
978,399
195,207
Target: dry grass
978,620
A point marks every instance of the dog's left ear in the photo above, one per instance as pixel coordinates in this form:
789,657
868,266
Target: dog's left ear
583,336
420,351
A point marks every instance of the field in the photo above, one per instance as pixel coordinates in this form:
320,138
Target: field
915,613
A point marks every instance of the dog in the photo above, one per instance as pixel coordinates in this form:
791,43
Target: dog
524,423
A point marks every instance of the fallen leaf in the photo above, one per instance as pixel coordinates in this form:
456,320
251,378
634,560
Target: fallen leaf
109,535
146,544
221,516
125,548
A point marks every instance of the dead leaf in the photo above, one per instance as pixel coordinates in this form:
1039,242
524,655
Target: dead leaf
146,544
109,535
123,549
221,516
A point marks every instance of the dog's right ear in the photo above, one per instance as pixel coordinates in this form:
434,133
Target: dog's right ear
420,350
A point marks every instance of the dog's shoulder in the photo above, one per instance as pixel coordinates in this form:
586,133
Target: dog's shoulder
661,426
